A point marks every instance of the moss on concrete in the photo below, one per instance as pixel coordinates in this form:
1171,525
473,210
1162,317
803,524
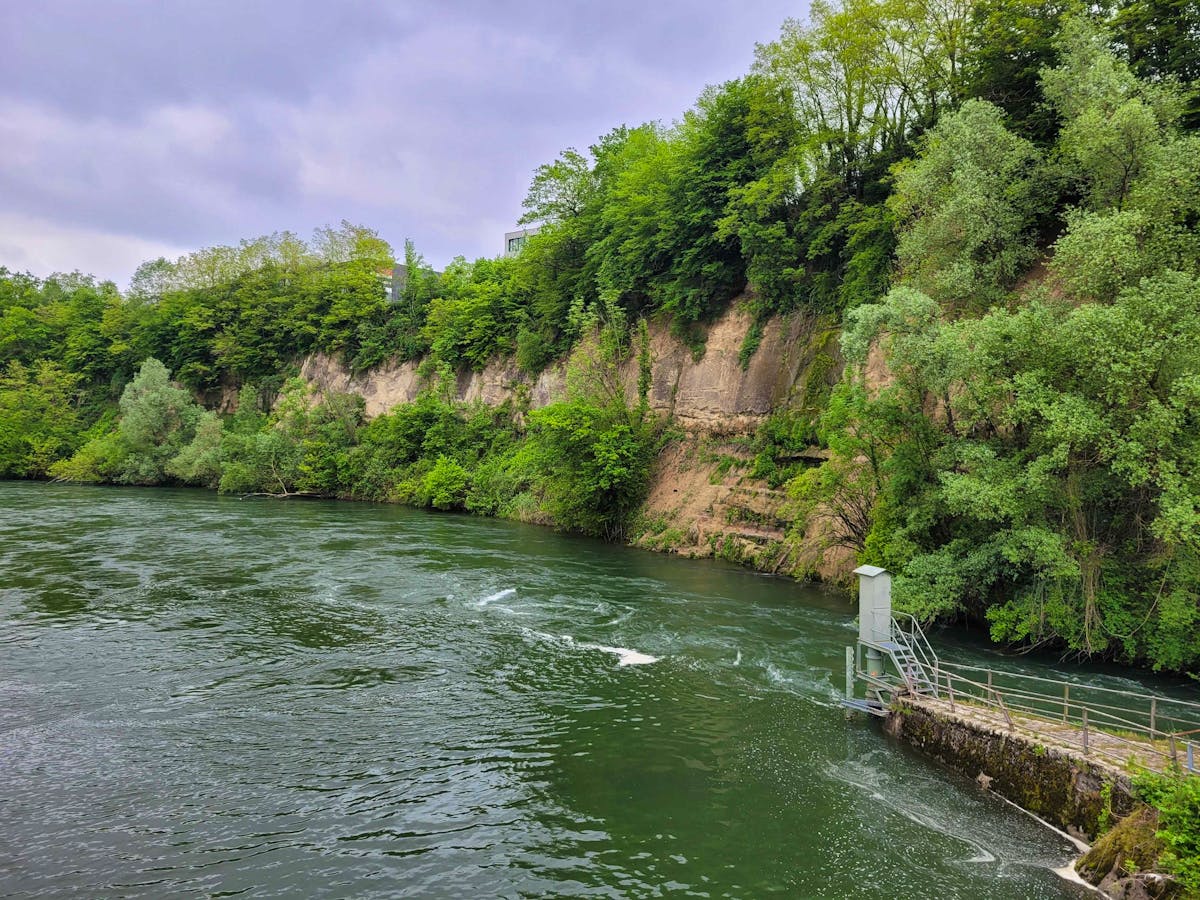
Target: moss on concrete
1070,792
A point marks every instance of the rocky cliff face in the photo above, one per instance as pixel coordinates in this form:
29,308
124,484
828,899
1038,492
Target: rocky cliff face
702,501
712,394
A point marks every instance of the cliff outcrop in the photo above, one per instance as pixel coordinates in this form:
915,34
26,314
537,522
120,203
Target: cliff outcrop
703,499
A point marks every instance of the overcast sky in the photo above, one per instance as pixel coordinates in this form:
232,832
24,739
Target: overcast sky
131,129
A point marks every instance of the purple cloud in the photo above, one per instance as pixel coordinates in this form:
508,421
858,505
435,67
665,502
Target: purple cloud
138,126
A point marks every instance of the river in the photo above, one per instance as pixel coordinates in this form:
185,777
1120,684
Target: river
206,696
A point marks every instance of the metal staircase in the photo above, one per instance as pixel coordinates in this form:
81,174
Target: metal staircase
912,658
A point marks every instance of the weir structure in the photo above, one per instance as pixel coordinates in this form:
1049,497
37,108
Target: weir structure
901,674
887,658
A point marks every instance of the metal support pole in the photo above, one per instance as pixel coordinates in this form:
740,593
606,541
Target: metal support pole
1066,701
1153,715
849,673
1085,732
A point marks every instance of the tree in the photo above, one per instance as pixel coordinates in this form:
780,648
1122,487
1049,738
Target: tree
445,486
39,419
1161,40
967,207
349,242
1112,121
560,190
157,421
1060,501
1012,42
199,462
154,278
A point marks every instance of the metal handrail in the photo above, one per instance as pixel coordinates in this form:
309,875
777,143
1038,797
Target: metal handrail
916,639
960,688
1058,681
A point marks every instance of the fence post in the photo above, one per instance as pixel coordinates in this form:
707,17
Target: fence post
1174,754
990,684
950,689
1153,715
1085,732
1004,709
1191,758
1066,701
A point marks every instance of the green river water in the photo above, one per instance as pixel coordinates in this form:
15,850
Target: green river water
206,696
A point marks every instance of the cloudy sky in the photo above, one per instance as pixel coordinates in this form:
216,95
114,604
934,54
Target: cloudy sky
131,129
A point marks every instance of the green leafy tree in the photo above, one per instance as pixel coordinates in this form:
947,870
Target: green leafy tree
1112,122
39,419
1012,42
445,485
157,422
968,206
199,462
1161,39
1059,500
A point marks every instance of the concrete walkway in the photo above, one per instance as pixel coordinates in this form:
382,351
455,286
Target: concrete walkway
1125,755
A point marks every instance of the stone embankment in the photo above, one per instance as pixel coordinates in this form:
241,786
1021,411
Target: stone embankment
1031,764
1050,779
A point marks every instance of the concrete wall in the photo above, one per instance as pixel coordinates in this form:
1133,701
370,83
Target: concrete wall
1063,788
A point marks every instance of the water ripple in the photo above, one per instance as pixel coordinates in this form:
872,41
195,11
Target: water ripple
202,696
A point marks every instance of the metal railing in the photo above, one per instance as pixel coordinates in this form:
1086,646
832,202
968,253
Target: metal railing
1126,728
914,639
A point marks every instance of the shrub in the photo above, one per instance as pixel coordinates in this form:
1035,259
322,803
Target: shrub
445,485
1177,800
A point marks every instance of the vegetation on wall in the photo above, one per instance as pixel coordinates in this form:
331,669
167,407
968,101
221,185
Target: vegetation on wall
1176,799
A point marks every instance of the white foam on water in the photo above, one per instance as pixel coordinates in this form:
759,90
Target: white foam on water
775,675
499,595
534,634
1068,873
737,660
623,617
882,789
625,656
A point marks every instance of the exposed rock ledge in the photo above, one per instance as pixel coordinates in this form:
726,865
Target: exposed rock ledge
712,394
701,501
